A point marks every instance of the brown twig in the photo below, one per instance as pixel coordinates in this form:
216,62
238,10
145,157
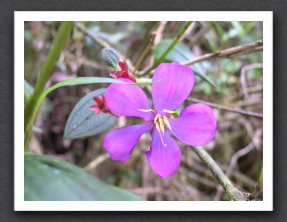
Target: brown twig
253,136
189,29
159,31
232,192
196,37
84,61
93,164
250,102
145,52
236,156
100,41
225,53
226,108
169,48
246,52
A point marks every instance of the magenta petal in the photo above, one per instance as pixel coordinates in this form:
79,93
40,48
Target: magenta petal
126,100
120,142
163,160
195,126
173,90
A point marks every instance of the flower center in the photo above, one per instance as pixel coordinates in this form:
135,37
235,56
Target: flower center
161,121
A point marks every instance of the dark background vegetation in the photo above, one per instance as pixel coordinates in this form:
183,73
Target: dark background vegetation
238,137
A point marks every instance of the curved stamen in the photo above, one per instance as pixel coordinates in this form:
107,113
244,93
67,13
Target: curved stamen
169,111
160,122
166,122
146,110
161,139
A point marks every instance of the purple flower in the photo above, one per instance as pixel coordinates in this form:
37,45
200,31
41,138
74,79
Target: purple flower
195,126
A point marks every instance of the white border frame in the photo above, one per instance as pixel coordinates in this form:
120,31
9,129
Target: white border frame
265,205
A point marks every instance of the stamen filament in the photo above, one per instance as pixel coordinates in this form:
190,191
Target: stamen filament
155,119
161,125
146,110
166,122
169,111
157,127
161,139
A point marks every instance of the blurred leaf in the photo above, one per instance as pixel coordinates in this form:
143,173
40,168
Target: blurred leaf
211,41
239,28
203,87
83,122
110,58
28,36
78,35
50,179
28,92
111,37
180,53
229,35
219,28
249,27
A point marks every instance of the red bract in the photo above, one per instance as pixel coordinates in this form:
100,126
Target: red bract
124,73
101,106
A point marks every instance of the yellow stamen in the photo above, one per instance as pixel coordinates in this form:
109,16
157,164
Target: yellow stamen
157,127
166,122
146,110
156,117
169,111
161,125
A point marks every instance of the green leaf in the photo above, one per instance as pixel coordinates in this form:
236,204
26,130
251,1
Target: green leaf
180,53
110,58
83,122
49,179
75,81
28,92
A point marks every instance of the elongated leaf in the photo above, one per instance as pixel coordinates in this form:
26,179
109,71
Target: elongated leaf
83,122
180,53
50,179
28,92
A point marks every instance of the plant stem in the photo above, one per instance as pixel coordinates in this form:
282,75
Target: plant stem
47,69
169,48
225,53
232,192
226,108
145,52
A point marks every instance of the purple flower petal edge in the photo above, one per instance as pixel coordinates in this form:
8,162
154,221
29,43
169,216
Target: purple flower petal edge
195,126
120,142
126,100
163,160
176,86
